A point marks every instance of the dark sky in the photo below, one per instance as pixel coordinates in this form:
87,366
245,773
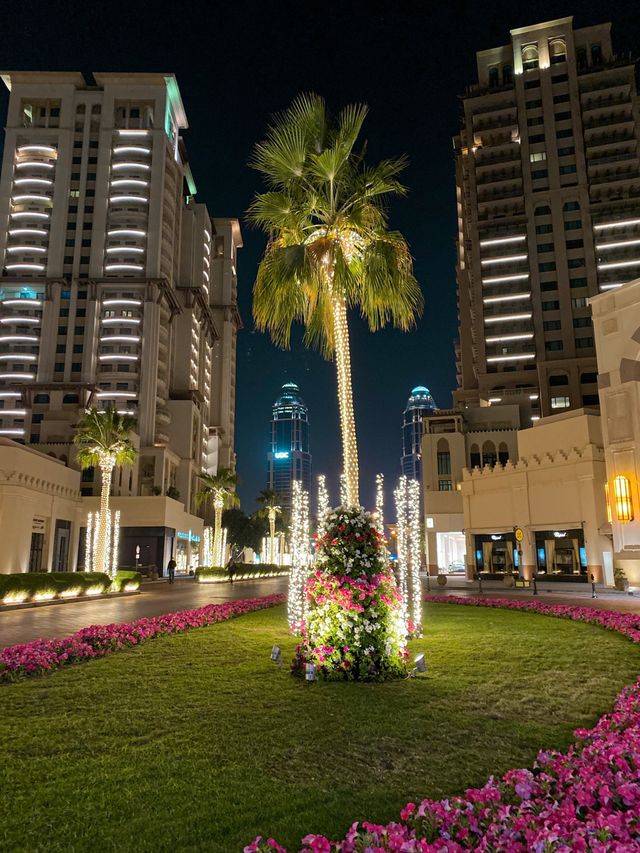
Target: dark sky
239,62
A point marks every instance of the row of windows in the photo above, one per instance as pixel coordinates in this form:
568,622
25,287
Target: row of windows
578,323
581,343
572,263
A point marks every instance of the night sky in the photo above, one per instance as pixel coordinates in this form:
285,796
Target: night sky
239,62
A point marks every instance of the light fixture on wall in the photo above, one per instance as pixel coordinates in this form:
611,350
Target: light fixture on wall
607,502
622,496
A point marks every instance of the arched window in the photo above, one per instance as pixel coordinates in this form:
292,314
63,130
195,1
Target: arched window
543,210
557,51
530,56
70,398
507,74
558,379
474,456
571,205
494,79
41,398
489,454
588,378
581,57
596,54
444,458
503,453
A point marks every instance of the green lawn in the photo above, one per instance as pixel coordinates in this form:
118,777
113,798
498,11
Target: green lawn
198,742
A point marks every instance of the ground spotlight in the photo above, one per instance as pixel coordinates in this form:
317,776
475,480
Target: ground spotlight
310,672
419,665
276,655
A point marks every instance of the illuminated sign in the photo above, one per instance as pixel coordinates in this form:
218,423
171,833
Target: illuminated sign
282,454
191,537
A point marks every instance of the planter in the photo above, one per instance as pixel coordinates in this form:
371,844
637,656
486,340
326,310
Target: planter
442,580
622,585
508,581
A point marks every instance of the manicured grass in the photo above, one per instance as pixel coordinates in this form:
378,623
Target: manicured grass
198,742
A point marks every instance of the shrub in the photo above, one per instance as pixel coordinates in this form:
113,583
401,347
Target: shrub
41,586
126,580
242,571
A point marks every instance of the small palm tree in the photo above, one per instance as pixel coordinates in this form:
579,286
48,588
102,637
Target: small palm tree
220,490
103,440
329,246
271,509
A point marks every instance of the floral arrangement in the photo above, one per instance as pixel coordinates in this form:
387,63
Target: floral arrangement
96,641
353,627
587,799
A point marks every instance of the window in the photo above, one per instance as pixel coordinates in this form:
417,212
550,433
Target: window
532,84
575,263
561,99
78,348
554,305
563,116
578,282
596,54
537,156
537,174
489,455
68,259
547,266
503,453
559,78
36,419
574,244
474,456
581,57
507,74
530,57
79,330
544,229
444,462
579,302
123,368
61,348
531,122
70,243
564,134
64,312
562,402
557,51
75,176
445,486
62,330
567,170
546,286
590,400
58,368
565,152
553,345
532,105
573,225
81,312
545,210
545,247
536,137
494,79
41,398
76,366
588,378
558,379
551,325
584,343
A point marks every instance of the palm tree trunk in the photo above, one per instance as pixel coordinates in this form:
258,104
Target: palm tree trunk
345,399
218,506
102,558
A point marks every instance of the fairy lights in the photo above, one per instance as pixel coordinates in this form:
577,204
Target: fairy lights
343,489
323,500
345,397
380,503
111,547
407,497
401,516
299,535
207,547
88,551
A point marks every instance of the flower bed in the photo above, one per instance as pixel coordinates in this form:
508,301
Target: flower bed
587,799
41,656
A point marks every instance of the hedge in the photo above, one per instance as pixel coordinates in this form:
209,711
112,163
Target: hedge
41,586
126,580
242,571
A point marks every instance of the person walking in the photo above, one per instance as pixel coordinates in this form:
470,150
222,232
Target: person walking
171,569
231,566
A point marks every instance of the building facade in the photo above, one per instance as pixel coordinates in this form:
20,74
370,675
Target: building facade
616,320
419,404
548,199
118,288
289,456
475,437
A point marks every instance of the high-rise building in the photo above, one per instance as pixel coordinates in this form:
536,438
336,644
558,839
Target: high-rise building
419,404
548,195
289,457
117,286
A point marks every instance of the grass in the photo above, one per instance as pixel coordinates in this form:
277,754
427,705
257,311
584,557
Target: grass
198,742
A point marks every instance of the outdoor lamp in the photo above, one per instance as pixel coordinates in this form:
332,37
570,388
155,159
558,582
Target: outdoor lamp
420,665
276,655
622,497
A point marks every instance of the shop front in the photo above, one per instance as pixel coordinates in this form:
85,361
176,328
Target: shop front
496,553
561,554
187,553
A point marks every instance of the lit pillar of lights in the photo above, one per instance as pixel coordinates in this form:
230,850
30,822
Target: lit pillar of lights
380,503
94,547
401,514
299,535
323,501
265,548
107,540
223,546
413,543
88,550
344,498
207,555
115,539
345,398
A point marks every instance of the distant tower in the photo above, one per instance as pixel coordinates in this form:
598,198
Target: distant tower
419,404
289,458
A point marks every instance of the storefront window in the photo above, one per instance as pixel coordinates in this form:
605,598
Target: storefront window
561,552
496,553
451,551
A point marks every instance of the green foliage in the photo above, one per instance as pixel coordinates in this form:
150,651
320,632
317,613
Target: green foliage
172,492
219,485
619,574
325,215
242,571
31,584
245,531
104,431
126,577
197,741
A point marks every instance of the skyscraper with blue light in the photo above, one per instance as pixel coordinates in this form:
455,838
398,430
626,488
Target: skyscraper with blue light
419,404
289,458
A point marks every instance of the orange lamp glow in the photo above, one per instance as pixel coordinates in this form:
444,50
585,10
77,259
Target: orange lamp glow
622,496
608,504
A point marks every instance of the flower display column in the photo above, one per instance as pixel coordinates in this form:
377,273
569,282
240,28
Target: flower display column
353,628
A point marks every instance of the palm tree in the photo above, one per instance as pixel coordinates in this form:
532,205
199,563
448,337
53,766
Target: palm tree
103,440
271,509
218,489
329,246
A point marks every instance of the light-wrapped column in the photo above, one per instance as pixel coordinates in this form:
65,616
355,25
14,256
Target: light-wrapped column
414,554
299,534
401,515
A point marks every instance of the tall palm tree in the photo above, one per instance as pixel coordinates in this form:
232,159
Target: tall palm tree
329,246
103,440
271,509
220,490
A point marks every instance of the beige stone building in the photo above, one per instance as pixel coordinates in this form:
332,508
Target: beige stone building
554,493
616,320
548,198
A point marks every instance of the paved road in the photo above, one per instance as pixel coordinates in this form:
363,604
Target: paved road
21,626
